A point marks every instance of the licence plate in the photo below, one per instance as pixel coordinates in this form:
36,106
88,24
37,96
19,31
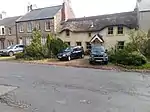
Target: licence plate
98,60
59,56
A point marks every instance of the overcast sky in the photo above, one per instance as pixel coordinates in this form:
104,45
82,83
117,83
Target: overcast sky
80,7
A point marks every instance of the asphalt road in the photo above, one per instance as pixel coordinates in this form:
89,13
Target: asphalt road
45,88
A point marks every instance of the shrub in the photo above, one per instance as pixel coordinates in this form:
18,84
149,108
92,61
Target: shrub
19,55
34,50
87,52
54,46
127,58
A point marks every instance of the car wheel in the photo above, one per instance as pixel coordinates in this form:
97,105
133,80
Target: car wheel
82,56
11,53
69,58
106,62
91,62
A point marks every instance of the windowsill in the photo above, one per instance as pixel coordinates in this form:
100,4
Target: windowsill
109,35
21,31
29,31
120,34
47,30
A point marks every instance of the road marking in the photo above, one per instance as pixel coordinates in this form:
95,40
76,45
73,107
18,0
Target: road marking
6,89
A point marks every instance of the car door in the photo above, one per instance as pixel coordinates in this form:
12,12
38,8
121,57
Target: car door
18,48
74,53
21,48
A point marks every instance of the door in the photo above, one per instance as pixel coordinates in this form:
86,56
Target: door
74,53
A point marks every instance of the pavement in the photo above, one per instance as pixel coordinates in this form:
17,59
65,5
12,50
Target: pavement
47,88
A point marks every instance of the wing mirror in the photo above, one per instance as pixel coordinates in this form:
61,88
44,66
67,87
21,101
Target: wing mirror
106,51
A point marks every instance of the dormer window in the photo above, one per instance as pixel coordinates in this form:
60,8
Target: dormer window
90,34
67,33
110,30
120,29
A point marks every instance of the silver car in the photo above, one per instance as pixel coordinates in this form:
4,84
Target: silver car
12,50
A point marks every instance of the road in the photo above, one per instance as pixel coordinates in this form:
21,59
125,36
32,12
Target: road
43,88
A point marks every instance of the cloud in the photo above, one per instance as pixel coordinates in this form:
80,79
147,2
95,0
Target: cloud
80,7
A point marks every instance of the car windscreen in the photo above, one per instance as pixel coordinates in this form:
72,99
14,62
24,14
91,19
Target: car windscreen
69,49
11,47
98,49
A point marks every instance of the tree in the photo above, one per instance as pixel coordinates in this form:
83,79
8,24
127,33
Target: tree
34,50
48,45
138,39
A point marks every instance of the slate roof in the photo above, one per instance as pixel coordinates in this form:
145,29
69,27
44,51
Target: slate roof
9,21
41,13
97,23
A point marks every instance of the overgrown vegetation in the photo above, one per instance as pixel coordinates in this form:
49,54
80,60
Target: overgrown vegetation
134,52
36,50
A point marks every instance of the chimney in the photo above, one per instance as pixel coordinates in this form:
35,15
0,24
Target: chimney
63,12
29,8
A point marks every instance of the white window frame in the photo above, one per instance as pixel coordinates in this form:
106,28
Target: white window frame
9,30
110,30
21,29
37,25
29,27
3,33
119,27
47,29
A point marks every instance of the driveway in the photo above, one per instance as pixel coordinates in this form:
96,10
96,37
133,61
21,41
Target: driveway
45,88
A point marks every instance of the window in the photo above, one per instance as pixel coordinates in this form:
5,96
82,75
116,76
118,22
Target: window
9,31
28,40
110,30
21,28
21,46
90,35
43,40
88,45
120,29
67,33
121,44
29,27
68,43
3,31
38,26
79,43
47,25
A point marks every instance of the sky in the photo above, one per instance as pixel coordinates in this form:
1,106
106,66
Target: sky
81,7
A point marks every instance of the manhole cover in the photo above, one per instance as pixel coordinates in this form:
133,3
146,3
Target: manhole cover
6,89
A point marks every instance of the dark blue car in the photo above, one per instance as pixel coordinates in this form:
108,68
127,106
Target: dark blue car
71,53
98,54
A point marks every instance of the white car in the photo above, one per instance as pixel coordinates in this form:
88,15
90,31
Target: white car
11,50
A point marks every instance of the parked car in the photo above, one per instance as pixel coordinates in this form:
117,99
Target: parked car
98,54
12,50
71,53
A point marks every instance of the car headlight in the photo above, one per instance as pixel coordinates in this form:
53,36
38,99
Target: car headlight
92,56
64,55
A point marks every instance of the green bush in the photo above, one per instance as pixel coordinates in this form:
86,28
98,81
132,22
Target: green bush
126,58
54,46
34,50
19,55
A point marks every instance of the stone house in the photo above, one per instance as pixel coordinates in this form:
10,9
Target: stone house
7,31
47,20
112,29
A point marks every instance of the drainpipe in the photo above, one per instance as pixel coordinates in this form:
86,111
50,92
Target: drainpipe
17,40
